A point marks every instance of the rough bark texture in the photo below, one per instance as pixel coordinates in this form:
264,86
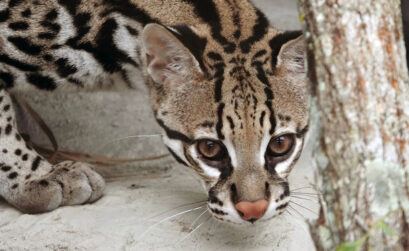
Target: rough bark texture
360,84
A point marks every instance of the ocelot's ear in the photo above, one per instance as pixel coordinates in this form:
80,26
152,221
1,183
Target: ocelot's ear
168,60
292,53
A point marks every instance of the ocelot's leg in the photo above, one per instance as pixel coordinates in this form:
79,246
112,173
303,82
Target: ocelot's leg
31,183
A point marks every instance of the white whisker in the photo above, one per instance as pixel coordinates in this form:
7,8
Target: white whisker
168,218
315,213
308,199
193,223
184,205
194,230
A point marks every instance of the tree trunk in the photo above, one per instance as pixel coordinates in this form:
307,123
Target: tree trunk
359,77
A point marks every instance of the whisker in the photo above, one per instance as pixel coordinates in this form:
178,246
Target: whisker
169,218
194,230
292,208
315,213
308,199
299,188
193,223
302,193
184,205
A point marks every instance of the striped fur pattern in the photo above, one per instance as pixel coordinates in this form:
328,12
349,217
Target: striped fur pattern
215,70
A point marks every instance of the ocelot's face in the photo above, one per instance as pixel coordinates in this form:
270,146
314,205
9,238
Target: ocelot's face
237,118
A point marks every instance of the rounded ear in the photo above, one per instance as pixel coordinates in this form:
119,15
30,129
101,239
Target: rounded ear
292,55
167,57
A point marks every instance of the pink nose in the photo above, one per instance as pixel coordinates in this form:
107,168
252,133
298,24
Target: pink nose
252,210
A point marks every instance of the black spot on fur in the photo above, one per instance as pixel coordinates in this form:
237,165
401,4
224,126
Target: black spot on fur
230,122
44,183
28,176
26,13
217,211
6,108
24,157
19,65
5,151
14,3
51,15
18,137
8,129
50,25
14,186
215,56
35,163
64,69
46,35
19,26
25,45
48,58
41,82
7,80
17,152
4,15
9,119
12,175
6,168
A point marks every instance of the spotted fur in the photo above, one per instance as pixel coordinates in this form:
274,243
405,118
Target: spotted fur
215,69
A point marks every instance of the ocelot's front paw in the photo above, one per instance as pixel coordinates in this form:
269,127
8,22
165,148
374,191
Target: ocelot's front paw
68,183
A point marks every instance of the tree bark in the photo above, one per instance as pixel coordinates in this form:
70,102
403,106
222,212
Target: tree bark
359,79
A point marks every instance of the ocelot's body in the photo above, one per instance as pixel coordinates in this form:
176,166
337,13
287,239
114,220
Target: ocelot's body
228,90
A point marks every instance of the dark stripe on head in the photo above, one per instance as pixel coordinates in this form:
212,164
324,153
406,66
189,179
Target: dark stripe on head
41,82
286,191
172,134
278,41
259,31
128,9
263,113
25,45
177,158
282,206
219,124
195,44
219,75
272,116
215,56
207,11
213,197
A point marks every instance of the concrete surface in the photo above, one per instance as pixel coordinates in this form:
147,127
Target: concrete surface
140,197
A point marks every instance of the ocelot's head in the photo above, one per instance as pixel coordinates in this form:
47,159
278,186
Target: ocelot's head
234,109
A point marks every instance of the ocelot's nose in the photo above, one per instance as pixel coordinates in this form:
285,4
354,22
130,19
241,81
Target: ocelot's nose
252,211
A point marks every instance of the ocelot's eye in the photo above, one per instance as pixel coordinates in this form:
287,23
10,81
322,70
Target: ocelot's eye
281,145
211,150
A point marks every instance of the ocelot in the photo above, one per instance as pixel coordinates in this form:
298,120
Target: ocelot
228,90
